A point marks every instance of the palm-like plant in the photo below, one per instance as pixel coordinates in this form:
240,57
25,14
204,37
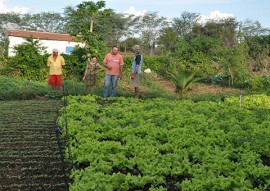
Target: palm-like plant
182,79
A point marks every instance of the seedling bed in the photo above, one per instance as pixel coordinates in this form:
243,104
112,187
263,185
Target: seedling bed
29,154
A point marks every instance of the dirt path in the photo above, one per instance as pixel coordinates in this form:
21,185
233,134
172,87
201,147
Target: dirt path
29,154
199,89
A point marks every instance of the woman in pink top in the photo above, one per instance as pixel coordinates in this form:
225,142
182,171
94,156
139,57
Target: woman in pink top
114,64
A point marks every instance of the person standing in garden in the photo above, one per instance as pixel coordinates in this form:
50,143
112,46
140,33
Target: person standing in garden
90,72
56,63
136,70
114,63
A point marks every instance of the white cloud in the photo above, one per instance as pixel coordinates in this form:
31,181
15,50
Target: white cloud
133,11
16,9
166,3
215,15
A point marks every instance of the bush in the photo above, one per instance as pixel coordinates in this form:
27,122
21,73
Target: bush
260,83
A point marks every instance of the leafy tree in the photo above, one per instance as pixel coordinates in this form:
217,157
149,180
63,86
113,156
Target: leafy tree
222,29
253,28
197,53
259,51
233,62
149,27
113,28
128,43
168,39
81,18
184,25
80,23
28,61
44,22
8,20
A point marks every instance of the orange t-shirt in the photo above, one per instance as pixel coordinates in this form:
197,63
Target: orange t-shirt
55,66
113,61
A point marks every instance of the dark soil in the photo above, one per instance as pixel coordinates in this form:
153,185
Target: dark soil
30,158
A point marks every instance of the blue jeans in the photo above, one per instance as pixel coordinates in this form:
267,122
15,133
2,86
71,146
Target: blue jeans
108,80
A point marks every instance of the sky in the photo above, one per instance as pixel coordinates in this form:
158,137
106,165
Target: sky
254,10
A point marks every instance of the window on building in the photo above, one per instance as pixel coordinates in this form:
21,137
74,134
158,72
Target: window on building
69,49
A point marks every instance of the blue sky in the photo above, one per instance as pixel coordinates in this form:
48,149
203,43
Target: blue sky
255,10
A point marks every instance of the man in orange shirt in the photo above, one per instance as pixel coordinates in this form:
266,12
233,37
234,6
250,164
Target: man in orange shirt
114,64
56,63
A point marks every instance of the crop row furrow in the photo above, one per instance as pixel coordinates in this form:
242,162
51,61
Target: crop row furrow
30,164
35,148
28,157
21,136
34,134
23,124
27,152
53,170
53,186
32,142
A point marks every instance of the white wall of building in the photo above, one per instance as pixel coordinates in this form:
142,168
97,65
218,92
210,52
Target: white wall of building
62,46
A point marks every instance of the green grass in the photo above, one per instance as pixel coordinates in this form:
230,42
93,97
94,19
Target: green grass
14,88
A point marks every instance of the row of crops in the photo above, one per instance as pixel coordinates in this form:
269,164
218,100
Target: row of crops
123,144
30,159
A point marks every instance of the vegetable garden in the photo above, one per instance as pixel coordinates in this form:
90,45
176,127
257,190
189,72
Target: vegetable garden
30,158
156,144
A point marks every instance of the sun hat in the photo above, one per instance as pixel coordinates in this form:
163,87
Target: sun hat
136,48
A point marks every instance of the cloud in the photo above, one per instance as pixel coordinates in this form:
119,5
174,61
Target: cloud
215,15
133,11
168,2
16,9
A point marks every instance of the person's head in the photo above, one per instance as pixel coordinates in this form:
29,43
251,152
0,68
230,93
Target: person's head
93,58
114,50
55,51
136,49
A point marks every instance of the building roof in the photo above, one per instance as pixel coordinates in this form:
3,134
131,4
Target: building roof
40,35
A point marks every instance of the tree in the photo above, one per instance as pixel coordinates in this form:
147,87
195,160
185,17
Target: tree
149,27
113,28
184,25
9,21
128,43
81,18
168,39
222,29
233,62
253,28
44,22
80,23
28,61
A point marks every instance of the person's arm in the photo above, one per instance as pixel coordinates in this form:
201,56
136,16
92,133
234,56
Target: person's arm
84,74
48,62
100,68
105,61
62,62
121,68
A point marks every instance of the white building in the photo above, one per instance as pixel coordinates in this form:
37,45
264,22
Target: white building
63,42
